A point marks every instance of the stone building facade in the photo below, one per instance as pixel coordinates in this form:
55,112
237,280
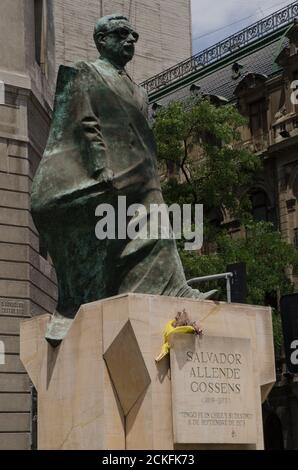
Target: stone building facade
27,83
165,27
27,280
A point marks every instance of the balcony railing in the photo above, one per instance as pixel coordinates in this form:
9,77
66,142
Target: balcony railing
246,36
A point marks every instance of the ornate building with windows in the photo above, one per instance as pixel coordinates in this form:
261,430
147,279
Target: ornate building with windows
257,70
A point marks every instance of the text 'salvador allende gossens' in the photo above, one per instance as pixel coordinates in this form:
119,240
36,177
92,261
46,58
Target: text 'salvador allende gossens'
214,372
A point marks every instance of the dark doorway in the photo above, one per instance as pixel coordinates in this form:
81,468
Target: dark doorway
273,437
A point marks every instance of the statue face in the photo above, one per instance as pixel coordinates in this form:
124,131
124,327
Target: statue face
118,44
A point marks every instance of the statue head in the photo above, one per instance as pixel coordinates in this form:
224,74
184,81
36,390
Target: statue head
115,39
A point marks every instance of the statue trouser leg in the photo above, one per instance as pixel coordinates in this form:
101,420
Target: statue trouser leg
159,271
153,265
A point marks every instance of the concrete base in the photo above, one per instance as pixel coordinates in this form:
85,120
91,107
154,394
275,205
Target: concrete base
101,388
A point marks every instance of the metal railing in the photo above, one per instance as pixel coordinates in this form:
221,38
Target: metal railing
233,43
212,277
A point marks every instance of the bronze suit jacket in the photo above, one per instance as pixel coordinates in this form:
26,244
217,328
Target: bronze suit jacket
99,121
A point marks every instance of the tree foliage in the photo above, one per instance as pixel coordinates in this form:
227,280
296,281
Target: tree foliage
204,143
267,258
266,255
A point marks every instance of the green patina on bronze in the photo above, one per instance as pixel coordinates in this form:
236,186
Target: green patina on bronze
100,147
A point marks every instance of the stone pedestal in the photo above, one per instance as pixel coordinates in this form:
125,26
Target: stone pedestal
101,388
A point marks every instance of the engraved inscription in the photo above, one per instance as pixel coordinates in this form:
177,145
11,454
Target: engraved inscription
214,397
12,307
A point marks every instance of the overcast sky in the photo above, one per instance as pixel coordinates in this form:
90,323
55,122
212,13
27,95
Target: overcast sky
211,15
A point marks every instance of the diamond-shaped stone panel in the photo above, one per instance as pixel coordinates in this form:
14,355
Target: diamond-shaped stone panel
127,368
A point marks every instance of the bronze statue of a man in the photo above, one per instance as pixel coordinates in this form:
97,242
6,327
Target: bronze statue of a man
100,147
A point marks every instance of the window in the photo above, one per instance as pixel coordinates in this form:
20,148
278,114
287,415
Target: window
43,250
38,11
258,118
296,238
260,206
33,418
171,167
40,27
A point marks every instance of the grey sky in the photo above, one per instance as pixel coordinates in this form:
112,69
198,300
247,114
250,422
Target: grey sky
208,16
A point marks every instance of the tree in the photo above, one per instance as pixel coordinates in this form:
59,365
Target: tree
267,258
266,255
204,143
